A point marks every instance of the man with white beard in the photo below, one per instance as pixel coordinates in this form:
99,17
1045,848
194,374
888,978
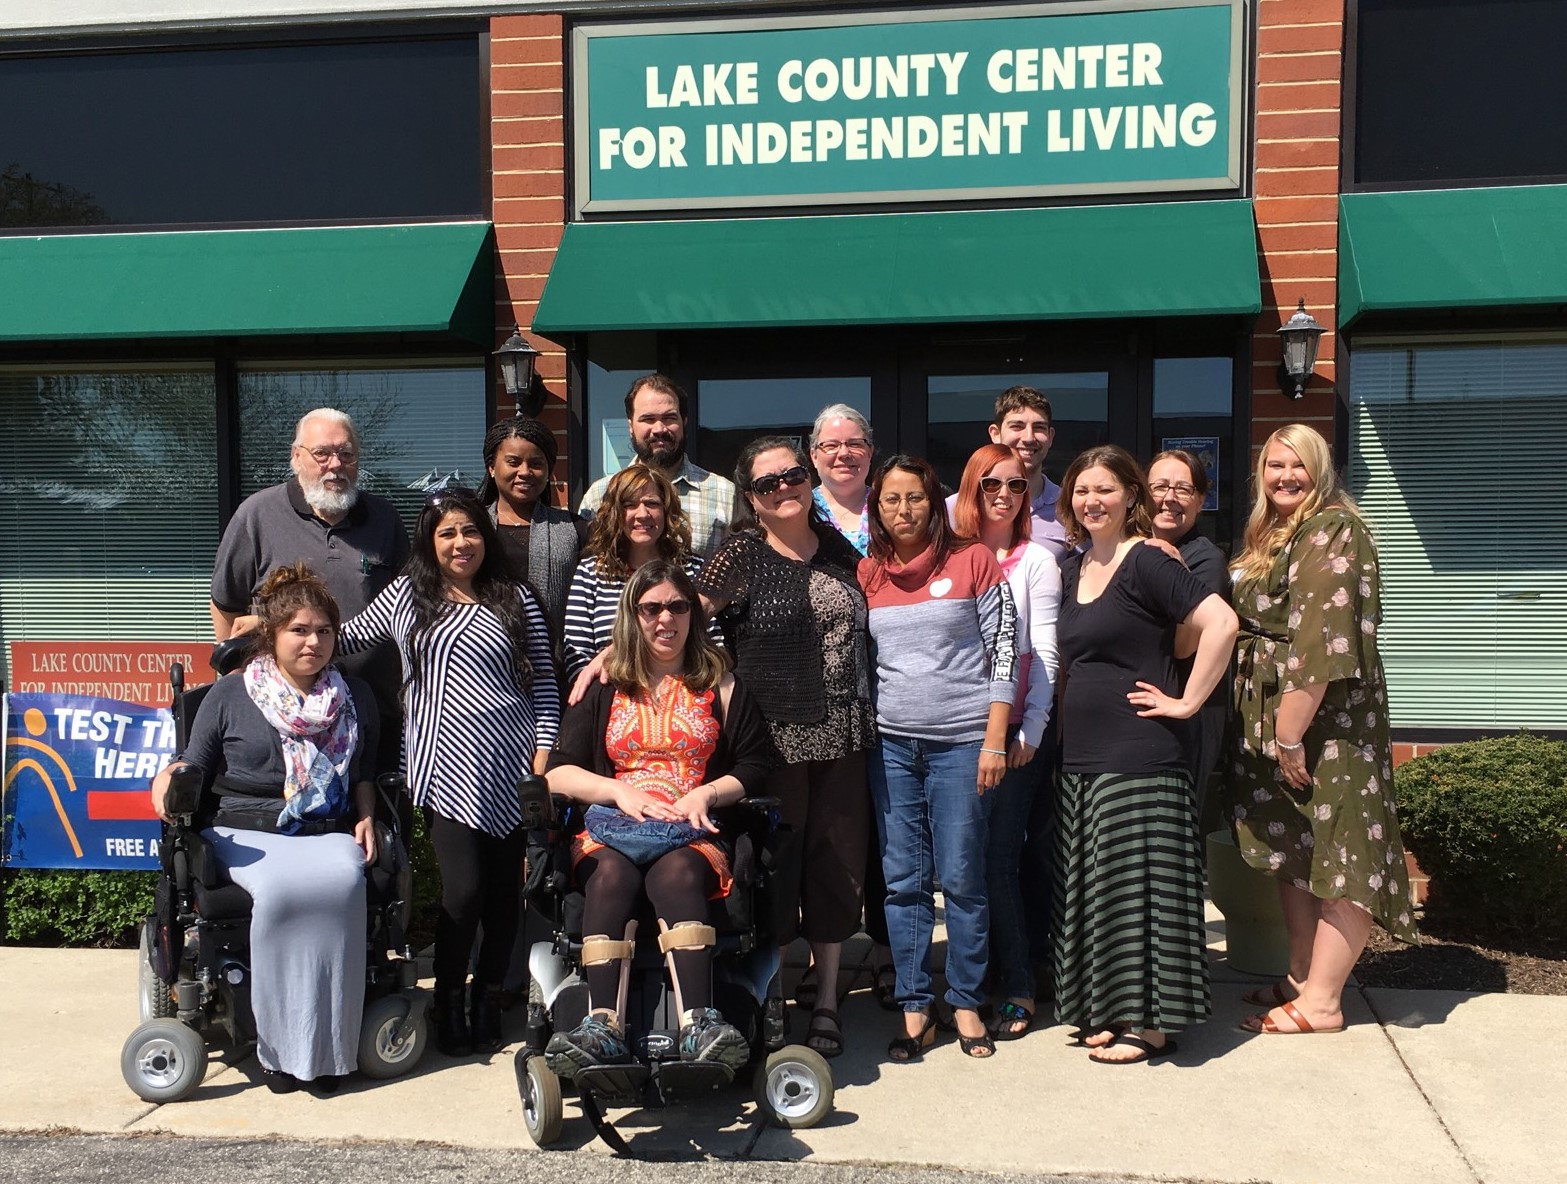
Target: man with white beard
353,540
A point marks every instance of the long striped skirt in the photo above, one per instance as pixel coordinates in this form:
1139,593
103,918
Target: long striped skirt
1130,945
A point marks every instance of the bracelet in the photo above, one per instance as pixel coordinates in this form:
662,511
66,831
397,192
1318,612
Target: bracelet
995,751
1290,747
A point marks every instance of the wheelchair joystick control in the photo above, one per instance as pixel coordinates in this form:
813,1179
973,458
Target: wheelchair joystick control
184,796
533,798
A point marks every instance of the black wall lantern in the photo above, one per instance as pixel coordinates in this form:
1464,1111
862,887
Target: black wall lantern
517,360
1300,335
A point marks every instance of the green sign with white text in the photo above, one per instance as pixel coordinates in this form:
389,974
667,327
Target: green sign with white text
1023,100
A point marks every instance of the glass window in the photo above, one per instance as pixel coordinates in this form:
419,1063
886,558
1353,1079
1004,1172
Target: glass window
615,361
1192,403
1448,90
109,483
734,411
1474,577
237,134
419,426
961,408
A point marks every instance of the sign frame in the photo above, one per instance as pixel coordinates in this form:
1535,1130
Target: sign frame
582,35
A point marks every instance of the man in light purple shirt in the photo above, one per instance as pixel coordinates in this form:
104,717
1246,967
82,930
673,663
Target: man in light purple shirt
1023,424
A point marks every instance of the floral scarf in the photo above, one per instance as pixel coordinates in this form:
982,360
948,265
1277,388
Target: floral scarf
318,731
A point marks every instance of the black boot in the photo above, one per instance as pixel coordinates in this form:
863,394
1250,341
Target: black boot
484,1018
451,1022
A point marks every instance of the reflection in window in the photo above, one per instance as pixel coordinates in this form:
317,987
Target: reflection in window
419,427
615,361
110,491
961,408
1192,401
734,411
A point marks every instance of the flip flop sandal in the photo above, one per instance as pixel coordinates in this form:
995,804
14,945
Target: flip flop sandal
1263,1025
1008,1016
1149,1052
1269,996
825,1035
1080,1037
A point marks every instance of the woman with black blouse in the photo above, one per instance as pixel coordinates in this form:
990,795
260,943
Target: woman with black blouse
785,589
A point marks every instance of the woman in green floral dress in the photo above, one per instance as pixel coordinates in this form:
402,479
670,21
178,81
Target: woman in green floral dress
1311,778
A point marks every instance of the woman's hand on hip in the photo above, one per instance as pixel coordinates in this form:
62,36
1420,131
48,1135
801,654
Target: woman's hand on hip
1153,702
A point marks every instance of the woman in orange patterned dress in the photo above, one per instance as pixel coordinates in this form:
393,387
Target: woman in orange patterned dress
654,752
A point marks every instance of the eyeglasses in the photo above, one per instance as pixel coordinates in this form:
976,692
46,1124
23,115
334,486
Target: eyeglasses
1180,489
650,610
1017,485
797,475
321,456
891,501
834,447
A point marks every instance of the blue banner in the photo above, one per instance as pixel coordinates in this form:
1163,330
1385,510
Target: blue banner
77,772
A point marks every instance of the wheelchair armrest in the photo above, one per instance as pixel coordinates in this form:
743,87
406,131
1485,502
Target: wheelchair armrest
389,788
227,655
760,803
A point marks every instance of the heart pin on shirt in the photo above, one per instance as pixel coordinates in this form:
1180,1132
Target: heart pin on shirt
941,587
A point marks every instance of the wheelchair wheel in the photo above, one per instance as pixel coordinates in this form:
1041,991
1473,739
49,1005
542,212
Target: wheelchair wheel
382,1054
542,1108
156,1001
163,1061
794,1087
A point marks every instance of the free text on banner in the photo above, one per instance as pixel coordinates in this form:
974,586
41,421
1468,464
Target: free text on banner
1098,97
77,771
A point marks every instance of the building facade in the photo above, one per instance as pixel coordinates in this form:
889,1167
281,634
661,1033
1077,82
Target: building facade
904,208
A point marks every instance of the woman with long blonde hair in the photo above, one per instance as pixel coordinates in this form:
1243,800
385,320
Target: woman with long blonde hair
1311,771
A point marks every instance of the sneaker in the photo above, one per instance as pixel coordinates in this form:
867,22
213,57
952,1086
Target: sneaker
705,1037
591,1044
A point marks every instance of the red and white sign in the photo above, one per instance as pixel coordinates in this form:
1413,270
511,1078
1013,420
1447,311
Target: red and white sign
131,671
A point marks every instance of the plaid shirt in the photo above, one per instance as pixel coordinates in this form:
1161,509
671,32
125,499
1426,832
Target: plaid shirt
707,499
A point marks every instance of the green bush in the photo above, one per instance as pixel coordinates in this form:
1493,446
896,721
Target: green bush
1487,819
76,908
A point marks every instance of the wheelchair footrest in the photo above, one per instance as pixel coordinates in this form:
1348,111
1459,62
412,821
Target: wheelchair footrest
678,1080
614,1085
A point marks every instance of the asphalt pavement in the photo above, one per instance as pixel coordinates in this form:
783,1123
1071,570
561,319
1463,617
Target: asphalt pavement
1424,1087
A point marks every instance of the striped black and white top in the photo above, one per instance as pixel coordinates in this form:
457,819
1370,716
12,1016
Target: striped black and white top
469,730
591,604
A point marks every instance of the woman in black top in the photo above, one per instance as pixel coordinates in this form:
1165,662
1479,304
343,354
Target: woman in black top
785,589
1178,484
1130,965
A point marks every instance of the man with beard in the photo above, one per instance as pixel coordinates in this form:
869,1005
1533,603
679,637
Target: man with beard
656,415
353,540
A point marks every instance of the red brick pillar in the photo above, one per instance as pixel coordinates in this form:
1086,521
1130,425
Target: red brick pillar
528,166
1300,69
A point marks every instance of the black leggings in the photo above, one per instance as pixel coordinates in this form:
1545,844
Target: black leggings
678,884
478,883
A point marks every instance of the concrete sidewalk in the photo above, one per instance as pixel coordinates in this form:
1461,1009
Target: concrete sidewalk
1424,1087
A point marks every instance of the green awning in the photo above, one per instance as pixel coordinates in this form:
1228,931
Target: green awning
225,283
1194,258
1452,248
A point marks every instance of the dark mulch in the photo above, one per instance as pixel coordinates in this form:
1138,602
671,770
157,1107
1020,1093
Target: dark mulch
1453,956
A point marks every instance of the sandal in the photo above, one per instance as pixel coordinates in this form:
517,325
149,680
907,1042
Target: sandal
1147,1051
979,1047
1269,996
884,986
1114,1031
805,989
907,1049
825,1035
1012,1021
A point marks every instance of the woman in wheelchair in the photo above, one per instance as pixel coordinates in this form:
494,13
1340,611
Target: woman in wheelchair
654,752
289,742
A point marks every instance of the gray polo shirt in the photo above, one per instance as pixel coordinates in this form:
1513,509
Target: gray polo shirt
356,558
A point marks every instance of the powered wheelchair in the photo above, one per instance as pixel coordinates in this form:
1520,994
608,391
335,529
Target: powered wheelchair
793,1083
194,963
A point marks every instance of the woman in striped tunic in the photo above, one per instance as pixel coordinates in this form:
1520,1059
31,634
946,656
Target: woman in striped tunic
481,709
639,519
1130,959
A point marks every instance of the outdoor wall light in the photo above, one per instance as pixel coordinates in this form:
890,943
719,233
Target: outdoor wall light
517,359
1300,335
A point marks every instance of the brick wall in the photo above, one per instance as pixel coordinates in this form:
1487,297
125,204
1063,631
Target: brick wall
527,128
1299,99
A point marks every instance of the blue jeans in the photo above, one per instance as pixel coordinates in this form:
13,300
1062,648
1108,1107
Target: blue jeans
1010,803
930,819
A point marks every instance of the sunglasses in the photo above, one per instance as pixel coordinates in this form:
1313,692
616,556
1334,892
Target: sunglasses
1017,485
798,475
447,493
650,610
